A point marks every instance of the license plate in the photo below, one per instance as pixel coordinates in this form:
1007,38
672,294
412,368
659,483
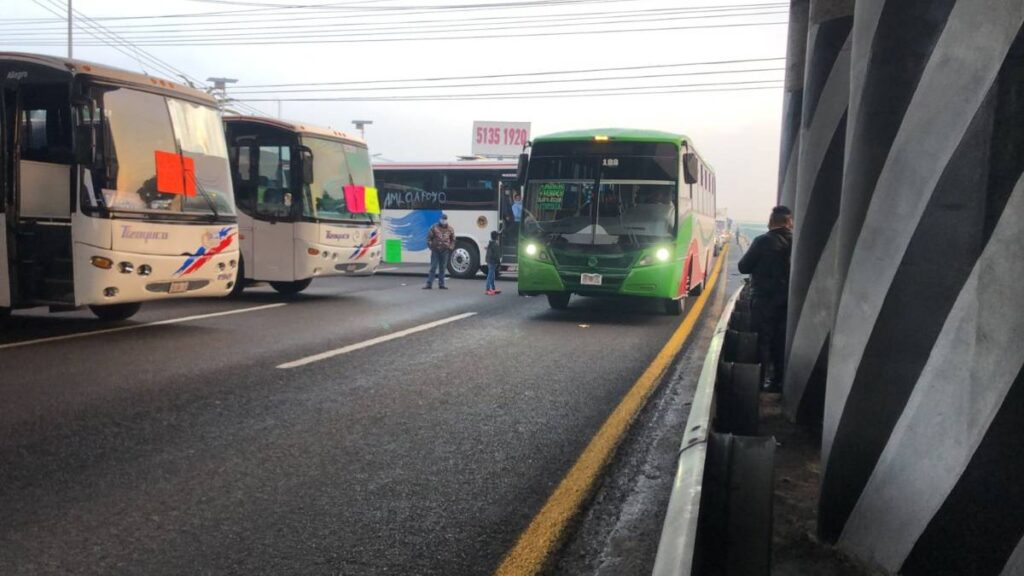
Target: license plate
590,279
178,287
512,268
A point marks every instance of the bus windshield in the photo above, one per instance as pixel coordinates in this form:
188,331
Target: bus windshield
136,127
335,165
602,200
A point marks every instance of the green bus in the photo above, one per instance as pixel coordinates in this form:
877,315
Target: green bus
616,212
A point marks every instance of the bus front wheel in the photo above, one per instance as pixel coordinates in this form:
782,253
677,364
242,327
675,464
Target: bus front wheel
559,301
464,260
291,287
673,306
115,311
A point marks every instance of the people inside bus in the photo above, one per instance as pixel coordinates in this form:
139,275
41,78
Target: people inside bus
441,241
517,207
768,261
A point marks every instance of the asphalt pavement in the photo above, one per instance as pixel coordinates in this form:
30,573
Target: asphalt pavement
175,443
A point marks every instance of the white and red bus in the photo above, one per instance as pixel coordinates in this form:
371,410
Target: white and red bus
307,205
116,189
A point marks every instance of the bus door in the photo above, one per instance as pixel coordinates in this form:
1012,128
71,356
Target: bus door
274,224
510,228
41,158
6,192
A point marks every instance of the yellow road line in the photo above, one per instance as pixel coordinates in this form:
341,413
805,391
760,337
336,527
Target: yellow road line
545,533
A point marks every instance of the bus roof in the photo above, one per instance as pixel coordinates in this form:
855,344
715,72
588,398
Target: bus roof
620,134
463,165
81,67
300,127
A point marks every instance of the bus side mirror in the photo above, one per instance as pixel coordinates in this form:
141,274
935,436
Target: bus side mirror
306,156
524,162
690,168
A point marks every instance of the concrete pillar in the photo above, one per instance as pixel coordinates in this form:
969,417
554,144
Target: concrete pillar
925,399
816,205
792,100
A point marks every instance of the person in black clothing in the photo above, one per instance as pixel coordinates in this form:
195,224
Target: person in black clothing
493,262
767,262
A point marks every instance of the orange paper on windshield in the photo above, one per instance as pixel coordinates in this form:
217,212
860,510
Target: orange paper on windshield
175,174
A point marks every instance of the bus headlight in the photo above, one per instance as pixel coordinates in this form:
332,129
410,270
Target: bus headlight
531,249
662,254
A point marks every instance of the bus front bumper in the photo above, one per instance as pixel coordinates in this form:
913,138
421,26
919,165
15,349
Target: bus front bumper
314,260
655,281
134,277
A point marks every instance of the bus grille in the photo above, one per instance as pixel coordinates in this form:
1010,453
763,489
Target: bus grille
606,261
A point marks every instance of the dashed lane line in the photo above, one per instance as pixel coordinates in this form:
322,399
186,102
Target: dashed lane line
373,341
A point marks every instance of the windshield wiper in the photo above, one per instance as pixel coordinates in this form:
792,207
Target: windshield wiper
209,199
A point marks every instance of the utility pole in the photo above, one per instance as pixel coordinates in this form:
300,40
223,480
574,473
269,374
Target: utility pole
361,126
70,51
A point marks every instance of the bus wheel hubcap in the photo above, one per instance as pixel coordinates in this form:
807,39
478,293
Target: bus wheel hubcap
460,260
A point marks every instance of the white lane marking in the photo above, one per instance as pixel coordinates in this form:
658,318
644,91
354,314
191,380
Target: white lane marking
373,341
137,326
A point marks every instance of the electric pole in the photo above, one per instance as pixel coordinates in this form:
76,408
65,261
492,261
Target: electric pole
70,51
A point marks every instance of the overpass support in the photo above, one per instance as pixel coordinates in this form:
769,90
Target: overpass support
924,384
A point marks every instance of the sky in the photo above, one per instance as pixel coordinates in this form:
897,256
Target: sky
263,42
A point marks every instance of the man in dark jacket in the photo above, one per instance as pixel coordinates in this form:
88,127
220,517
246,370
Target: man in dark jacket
767,262
441,241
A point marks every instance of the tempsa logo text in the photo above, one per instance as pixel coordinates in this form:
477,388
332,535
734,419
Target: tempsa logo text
130,233
17,75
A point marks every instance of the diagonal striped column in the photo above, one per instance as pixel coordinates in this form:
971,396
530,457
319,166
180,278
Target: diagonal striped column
925,391
816,205
792,101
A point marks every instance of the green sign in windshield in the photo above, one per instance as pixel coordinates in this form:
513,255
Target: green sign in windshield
550,196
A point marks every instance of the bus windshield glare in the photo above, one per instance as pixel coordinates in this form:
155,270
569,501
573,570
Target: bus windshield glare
335,165
135,125
607,200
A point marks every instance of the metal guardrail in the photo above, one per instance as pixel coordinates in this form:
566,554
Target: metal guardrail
678,541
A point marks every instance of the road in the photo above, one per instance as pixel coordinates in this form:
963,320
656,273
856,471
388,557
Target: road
170,446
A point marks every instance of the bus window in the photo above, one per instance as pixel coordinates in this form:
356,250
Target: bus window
273,181
45,131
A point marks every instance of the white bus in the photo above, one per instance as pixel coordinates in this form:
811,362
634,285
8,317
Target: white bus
307,205
476,195
116,189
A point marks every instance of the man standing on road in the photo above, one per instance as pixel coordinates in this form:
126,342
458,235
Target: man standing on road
767,261
441,241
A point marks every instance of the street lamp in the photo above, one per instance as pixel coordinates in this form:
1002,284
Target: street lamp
361,126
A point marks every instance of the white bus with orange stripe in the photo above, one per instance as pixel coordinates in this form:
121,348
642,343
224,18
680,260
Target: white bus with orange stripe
115,189
307,205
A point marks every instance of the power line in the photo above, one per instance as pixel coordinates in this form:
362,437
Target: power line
189,36
524,74
499,95
420,26
456,98
276,22
299,40
515,83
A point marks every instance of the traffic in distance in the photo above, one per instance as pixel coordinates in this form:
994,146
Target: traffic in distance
101,213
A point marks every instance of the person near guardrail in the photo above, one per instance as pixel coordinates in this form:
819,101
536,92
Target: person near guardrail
493,263
767,261
441,241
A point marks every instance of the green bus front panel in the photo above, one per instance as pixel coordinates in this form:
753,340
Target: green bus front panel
659,280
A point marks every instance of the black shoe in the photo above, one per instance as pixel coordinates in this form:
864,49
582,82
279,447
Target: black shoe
427,287
442,287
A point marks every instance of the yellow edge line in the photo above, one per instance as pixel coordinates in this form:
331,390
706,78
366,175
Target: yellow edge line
545,533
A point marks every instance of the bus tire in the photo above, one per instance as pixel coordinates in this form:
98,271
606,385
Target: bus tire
673,306
239,286
559,301
289,288
464,260
115,311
